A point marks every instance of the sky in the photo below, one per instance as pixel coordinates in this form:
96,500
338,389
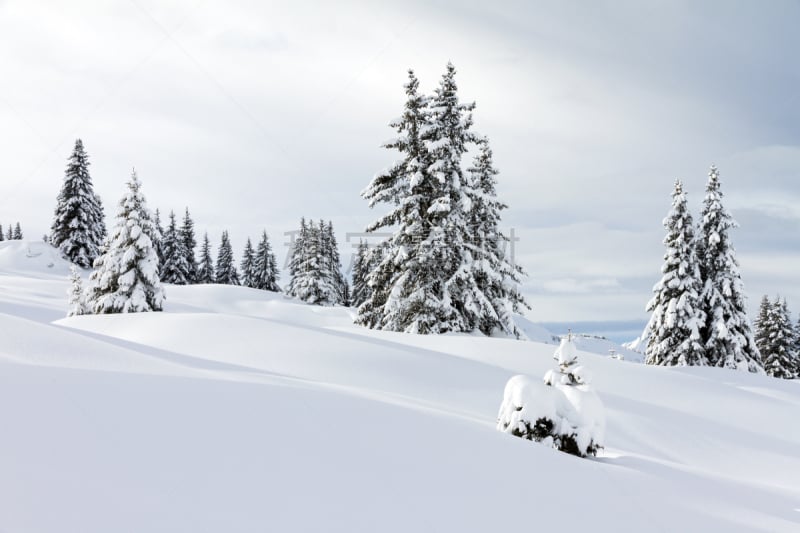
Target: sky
255,113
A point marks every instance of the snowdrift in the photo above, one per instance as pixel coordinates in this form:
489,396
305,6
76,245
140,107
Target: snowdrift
239,410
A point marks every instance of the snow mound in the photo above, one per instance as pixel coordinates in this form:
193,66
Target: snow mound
33,258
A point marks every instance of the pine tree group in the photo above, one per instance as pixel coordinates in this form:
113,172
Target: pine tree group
78,227
125,279
14,233
443,268
315,266
777,339
699,307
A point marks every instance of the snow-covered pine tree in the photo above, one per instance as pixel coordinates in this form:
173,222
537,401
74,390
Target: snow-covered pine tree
10,233
495,295
762,325
159,237
78,228
17,232
333,265
297,258
780,359
189,246
676,315
415,288
727,332
175,269
408,188
226,273
125,279
440,295
2,235
77,301
247,266
361,265
205,272
265,266
313,286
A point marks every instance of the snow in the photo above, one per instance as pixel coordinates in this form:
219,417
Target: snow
244,410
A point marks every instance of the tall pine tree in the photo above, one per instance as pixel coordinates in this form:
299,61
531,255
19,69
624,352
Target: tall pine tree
676,317
408,188
78,228
175,269
727,332
226,273
205,272
17,232
126,278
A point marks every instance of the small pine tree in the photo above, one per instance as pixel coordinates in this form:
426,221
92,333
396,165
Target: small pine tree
10,233
78,228
17,232
77,302
2,235
361,265
226,273
676,316
125,279
175,269
189,246
205,272
265,266
762,325
247,266
727,332
158,240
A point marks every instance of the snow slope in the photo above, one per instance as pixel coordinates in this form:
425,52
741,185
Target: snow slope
239,410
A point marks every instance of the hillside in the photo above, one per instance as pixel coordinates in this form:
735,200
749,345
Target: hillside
239,410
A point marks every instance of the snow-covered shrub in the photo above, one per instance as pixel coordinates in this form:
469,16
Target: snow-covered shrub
563,412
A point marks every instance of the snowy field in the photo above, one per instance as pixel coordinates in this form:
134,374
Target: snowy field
237,410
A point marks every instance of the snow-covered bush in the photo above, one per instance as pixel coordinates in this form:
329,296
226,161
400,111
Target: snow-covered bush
562,412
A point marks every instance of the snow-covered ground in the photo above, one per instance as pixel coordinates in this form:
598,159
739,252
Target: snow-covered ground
239,410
